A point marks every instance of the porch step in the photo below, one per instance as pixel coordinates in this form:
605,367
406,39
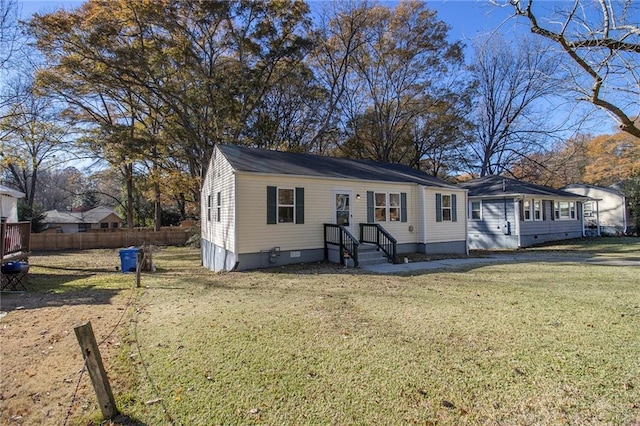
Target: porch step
368,254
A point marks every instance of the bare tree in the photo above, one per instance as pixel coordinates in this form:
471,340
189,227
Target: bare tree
9,34
511,118
601,39
341,31
32,140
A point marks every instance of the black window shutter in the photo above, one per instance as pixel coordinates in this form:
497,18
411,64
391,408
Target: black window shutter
272,205
454,208
403,207
438,207
370,207
299,205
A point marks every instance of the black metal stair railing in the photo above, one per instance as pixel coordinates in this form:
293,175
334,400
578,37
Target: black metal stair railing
373,233
340,236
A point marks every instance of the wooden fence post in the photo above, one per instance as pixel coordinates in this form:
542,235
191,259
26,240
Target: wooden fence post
91,354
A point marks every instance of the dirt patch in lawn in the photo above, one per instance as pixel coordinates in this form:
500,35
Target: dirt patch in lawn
41,359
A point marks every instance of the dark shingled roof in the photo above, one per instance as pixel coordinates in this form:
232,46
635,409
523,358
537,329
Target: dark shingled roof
493,185
289,163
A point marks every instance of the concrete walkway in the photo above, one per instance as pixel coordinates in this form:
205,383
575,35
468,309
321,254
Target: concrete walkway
389,268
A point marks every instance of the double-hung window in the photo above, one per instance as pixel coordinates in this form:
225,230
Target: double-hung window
446,206
537,210
565,210
588,209
526,210
475,211
285,205
387,207
381,206
394,207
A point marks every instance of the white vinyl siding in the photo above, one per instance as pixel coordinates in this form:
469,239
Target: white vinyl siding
446,230
255,236
219,185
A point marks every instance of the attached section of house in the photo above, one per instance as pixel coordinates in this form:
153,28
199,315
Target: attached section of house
264,208
9,204
506,213
606,213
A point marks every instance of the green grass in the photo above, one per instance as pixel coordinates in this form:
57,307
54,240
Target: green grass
524,343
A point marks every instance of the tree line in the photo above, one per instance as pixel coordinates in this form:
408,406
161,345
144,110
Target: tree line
146,89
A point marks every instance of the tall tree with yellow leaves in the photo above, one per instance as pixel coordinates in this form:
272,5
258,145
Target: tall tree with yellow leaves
612,158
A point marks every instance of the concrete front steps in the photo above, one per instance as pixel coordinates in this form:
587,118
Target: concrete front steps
368,254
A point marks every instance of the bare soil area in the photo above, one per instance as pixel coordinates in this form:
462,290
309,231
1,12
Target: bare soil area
40,359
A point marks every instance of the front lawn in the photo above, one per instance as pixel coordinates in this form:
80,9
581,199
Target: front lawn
518,343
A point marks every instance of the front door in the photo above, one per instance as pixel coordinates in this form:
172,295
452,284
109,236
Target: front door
342,208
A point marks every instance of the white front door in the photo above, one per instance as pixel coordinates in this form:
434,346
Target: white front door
342,208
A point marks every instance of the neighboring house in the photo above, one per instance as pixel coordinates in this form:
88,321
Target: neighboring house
9,203
606,213
507,213
71,222
264,208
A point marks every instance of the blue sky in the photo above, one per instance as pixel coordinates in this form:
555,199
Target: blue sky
468,20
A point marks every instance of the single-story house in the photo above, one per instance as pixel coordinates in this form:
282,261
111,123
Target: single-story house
72,222
507,213
9,203
263,208
607,211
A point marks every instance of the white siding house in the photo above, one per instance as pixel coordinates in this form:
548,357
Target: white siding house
606,213
506,213
264,208
9,204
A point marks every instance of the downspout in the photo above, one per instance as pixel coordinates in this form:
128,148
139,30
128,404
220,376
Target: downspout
584,232
466,222
624,215
598,217
235,220
422,202
516,211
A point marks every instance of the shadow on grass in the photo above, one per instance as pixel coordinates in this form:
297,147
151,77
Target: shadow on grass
124,420
30,300
49,290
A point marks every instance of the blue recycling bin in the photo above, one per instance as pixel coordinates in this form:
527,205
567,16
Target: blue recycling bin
128,259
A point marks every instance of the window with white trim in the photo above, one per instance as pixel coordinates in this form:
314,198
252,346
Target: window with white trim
286,205
588,208
526,210
475,210
394,207
387,207
565,210
446,207
380,200
209,207
537,210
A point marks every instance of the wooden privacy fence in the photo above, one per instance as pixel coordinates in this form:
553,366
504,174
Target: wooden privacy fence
169,236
